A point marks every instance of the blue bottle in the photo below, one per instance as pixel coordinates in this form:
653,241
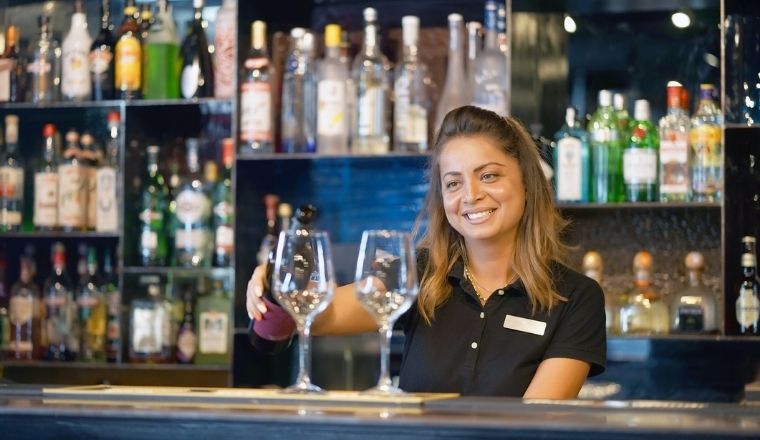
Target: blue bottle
571,161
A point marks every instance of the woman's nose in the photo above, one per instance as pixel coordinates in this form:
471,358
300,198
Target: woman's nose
472,192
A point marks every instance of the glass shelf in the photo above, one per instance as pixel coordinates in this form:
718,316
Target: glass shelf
316,156
114,103
58,235
181,271
684,338
639,205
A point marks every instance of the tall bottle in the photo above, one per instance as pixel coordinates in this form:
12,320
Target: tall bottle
91,308
46,184
91,159
101,58
150,327
412,98
5,326
474,47
492,90
11,68
60,308
192,238
674,148
187,340
371,75
153,210
706,144
572,161
453,94
161,62
197,71
748,300
11,179
256,123
299,95
332,97
128,56
640,156
146,20
24,315
224,209
107,200
72,186
269,242
593,267
75,81
42,66
225,39
213,319
109,287
606,153
645,313
694,309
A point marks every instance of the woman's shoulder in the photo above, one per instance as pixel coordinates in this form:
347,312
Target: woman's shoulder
571,283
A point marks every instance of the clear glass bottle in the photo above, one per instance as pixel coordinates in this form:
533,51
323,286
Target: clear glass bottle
109,286
748,298
593,267
640,156
24,315
11,179
150,328
645,313
101,56
299,95
213,321
572,161
106,175
492,89
72,186
60,308
674,148
128,56
11,68
411,110
161,68
694,309
606,153
153,211
706,146
91,158
256,112
453,94
91,308
192,238
225,39
224,208
75,80
332,97
474,47
42,65
371,75
45,217
197,77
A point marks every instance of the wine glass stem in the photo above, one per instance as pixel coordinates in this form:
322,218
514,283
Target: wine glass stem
304,353
386,331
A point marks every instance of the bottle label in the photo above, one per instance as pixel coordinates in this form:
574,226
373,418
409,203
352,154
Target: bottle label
224,56
107,215
100,61
149,240
639,166
674,165
76,75
127,68
72,196
747,308
192,207
691,318
371,112
604,135
705,141
11,183
21,309
46,199
190,79
146,331
213,333
224,211
191,239
569,169
6,67
331,108
92,197
256,112
224,239
186,342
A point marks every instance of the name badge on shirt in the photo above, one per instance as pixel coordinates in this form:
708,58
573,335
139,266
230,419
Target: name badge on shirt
525,325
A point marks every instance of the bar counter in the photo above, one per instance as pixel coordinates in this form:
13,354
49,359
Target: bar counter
27,413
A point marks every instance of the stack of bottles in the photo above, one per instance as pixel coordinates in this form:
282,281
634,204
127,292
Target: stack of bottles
621,159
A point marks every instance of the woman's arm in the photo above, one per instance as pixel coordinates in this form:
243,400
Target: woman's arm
558,378
345,315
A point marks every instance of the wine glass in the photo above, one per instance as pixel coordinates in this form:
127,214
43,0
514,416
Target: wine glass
303,283
386,285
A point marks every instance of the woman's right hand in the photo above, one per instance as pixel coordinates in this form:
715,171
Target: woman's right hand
254,302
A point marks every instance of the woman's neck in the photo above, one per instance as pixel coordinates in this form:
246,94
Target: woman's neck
491,264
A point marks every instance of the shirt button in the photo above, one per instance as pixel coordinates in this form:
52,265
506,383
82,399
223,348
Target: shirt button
474,345
501,292
482,315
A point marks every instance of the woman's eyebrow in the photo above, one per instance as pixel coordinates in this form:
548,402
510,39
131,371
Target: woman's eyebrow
475,170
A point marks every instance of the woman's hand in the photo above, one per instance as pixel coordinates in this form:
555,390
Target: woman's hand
254,302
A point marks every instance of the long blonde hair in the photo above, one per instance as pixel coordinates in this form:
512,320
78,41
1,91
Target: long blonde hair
538,242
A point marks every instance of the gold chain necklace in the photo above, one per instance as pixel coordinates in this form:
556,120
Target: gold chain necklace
476,287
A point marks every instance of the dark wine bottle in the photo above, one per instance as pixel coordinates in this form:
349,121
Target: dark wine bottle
102,56
274,333
197,74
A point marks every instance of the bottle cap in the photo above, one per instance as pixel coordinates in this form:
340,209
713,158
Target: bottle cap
113,117
285,210
455,18
694,261
605,98
297,32
641,110
48,130
618,101
411,29
332,35
642,261
748,239
570,114
370,15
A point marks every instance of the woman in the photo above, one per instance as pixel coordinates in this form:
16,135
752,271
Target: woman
497,313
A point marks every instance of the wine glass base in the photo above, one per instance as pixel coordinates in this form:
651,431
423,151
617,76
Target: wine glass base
385,390
303,388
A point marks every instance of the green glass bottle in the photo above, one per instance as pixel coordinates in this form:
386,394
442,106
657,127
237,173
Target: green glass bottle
640,156
153,199
606,153
161,62
224,208
91,308
213,322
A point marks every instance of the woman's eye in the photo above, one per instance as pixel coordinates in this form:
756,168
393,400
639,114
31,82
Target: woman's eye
451,185
487,177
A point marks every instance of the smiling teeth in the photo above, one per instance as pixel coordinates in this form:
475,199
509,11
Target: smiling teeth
479,215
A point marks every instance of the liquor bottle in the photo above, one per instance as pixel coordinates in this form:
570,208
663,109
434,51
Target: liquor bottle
224,209
412,98
299,95
213,320
11,68
572,161
91,306
106,197
269,242
60,308
492,90
225,39
622,115
101,58
645,313
75,81
197,77
453,94
606,153
90,157
501,27
46,184
161,62
128,56
192,237
674,148
706,143
112,296
24,315
42,65
593,267
5,326
284,213
72,186
474,47
185,348
146,20
332,97
748,300
153,200
371,75
11,179
149,328
694,309
256,124
640,156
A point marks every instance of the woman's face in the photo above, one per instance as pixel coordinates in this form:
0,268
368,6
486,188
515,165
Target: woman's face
483,191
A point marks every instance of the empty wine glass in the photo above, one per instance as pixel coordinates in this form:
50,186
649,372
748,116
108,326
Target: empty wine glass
303,283
386,285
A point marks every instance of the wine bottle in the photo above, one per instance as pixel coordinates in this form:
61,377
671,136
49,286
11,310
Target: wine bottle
197,77
101,56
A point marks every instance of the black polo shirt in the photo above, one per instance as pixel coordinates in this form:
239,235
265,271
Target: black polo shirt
469,349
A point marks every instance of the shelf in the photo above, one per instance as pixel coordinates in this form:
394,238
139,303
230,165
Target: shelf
114,366
150,270
684,338
241,157
639,205
739,125
59,235
114,103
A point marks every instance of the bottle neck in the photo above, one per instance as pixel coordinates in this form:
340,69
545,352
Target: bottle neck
695,278
78,22
456,61
370,39
49,149
332,52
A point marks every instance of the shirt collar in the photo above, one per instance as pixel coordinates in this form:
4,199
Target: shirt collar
456,274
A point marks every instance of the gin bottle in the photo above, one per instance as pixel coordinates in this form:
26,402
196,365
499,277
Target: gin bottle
748,300
674,148
213,320
110,289
256,124
706,144
11,179
60,308
24,314
622,115
152,215
640,156
606,153
491,76
224,209
694,309
332,97
150,328
91,308
645,313
192,238
45,215
453,94
72,186
107,205
42,66
75,81
299,95
412,101
571,161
